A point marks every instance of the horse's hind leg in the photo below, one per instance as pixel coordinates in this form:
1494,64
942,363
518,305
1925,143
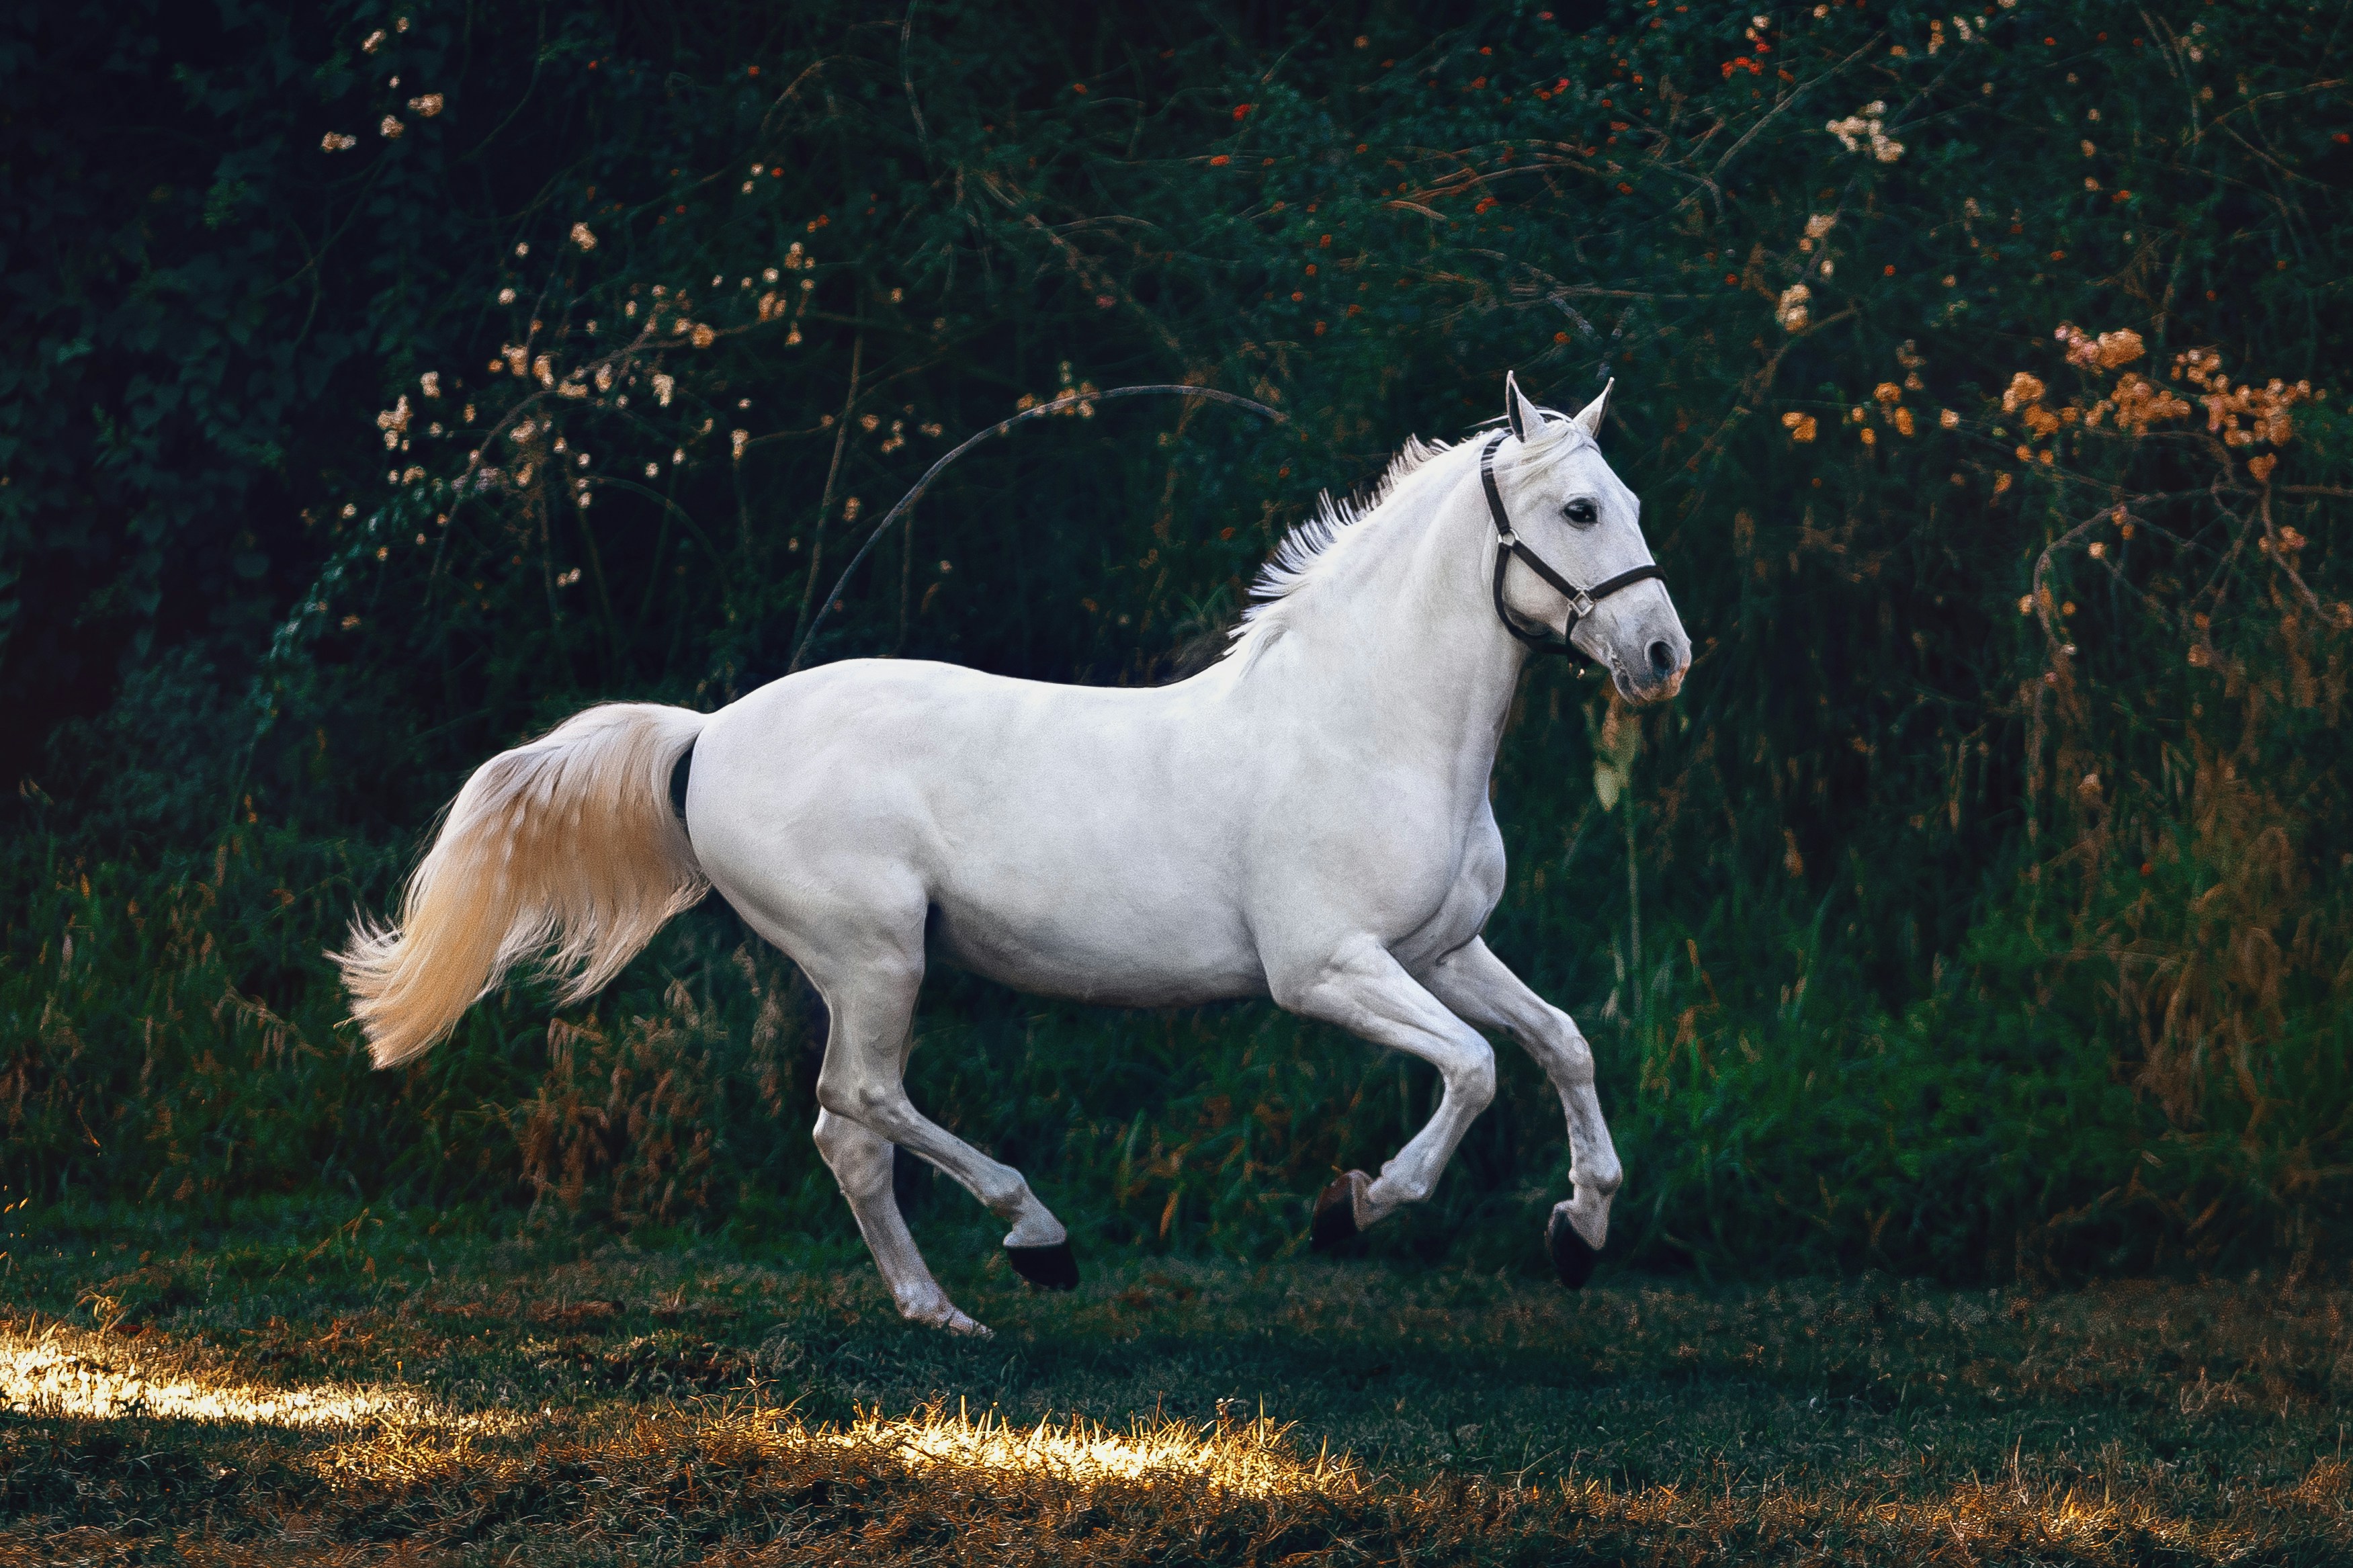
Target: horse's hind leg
863,1084
861,1162
1473,981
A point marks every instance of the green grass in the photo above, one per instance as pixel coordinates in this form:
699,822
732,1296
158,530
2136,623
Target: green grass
559,1396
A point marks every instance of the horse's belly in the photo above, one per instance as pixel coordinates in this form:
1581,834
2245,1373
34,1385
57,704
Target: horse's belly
1120,957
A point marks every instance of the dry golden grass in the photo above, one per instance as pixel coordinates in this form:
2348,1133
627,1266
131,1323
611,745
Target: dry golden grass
630,1407
759,1487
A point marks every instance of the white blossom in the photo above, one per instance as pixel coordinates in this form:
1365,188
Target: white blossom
1865,124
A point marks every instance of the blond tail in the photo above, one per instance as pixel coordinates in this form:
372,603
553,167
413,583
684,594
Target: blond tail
567,842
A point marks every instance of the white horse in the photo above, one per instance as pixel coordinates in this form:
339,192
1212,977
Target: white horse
1307,819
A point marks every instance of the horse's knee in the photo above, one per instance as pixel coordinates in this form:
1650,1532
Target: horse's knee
1568,1058
1471,1076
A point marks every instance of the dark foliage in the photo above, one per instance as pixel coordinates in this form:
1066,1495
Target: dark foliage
1980,907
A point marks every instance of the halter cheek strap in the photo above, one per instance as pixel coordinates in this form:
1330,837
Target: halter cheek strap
1508,548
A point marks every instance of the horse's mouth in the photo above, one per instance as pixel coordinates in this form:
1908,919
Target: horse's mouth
1659,690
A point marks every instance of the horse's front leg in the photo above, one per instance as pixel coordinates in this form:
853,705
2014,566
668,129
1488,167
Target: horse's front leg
1474,983
1365,990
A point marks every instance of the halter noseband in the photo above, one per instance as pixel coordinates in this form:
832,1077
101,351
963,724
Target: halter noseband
1581,601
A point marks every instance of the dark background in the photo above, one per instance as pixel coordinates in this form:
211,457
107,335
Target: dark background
1979,908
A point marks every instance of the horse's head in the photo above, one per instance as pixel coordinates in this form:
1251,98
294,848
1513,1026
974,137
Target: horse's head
1578,527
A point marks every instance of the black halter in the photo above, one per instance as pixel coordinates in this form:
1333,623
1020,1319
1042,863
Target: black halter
1508,547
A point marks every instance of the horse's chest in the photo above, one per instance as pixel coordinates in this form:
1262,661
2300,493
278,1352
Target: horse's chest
1458,916
1415,879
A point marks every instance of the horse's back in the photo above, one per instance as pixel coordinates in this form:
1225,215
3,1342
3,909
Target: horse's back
1069,840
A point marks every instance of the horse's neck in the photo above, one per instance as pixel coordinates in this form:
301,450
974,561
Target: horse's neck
1404,642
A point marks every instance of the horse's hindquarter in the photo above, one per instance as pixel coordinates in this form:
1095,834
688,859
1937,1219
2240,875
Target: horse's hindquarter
1064,840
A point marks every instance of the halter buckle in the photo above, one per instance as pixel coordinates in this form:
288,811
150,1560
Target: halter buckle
1507,539
1582,604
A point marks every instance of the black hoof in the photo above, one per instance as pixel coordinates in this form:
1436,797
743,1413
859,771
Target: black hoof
1573,1257
1334,1224
1047,1268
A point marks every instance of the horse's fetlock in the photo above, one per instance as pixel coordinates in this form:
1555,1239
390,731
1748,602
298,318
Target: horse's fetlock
927,1304
1605,1178
1400,1186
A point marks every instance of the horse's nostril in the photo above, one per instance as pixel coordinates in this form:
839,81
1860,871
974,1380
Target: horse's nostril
1662,660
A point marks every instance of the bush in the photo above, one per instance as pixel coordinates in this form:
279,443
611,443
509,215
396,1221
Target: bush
1979,908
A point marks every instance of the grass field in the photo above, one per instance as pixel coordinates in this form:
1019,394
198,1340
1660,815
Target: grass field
295,1387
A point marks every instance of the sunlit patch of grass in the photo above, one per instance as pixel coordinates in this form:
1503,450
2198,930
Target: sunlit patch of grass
1249,1459
63,1372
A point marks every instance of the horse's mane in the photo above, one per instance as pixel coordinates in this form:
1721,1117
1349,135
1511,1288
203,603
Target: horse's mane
1296,554
1293,564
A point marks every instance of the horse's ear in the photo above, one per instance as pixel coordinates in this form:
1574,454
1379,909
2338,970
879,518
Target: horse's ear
1590,417
1520,414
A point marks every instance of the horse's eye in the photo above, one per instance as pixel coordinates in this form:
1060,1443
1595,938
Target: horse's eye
1581,513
